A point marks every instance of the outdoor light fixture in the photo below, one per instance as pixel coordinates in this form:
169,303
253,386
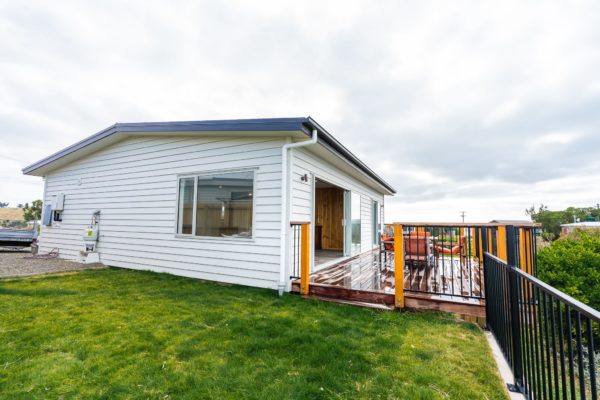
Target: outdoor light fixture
304,178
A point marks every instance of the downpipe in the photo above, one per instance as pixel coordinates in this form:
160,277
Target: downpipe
284,206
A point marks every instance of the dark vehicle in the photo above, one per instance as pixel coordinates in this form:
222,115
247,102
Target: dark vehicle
17,233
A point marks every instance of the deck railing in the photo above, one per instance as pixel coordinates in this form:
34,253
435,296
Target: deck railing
300,268
446,259
296,235
549,339
442,260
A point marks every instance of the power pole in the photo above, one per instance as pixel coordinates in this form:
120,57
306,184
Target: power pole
462,214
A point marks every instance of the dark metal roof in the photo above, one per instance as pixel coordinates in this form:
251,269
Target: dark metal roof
303,124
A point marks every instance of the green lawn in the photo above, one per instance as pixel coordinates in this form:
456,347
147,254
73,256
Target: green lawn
125,334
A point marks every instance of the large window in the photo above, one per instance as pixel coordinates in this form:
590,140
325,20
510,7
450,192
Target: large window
217,205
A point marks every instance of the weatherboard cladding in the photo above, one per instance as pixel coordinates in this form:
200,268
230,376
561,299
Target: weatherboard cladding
134,184
304,162
305,125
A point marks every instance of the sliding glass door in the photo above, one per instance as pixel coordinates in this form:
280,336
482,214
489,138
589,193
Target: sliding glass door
352,223
356,226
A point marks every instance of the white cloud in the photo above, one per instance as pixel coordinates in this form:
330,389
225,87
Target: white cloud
556,138
486,107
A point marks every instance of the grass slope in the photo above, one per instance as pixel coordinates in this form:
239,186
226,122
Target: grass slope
125,334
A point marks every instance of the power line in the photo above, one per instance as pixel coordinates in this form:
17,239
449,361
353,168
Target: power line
462,214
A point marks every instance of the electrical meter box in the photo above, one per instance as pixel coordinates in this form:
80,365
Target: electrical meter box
90,234
58,203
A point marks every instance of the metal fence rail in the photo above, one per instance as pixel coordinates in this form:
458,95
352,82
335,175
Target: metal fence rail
296,247
442,260
549,339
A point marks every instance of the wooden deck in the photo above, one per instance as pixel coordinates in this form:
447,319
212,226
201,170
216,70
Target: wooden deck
445,284
447,276
374,271
367,272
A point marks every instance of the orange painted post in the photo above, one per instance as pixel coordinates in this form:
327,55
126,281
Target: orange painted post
525,261
399,265
304,258
501,243
529,250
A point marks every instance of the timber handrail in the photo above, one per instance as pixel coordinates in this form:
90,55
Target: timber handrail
466,224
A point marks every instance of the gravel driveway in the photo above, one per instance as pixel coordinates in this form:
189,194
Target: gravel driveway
13,263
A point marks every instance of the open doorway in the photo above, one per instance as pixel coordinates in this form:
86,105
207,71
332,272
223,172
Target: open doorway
329,222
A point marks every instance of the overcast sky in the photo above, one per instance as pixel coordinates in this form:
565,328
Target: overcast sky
487,107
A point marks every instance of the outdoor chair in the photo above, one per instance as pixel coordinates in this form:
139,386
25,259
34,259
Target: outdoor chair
417,259
459,250
417,250
387,247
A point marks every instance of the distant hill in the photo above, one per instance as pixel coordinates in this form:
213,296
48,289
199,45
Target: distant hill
13,214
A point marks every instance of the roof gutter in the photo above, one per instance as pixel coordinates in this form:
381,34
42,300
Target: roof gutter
285,212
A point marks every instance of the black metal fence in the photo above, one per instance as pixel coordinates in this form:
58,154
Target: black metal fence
296,236
549,339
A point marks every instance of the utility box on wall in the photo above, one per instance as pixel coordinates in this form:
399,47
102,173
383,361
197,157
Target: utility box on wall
47,215
58,203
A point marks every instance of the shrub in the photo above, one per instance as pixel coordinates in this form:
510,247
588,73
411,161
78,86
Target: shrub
572,265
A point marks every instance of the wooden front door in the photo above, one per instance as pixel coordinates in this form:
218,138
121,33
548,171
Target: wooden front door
329,212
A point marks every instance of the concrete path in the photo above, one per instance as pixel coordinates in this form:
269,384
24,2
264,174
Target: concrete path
503,367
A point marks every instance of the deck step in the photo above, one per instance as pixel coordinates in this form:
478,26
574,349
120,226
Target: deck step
375,306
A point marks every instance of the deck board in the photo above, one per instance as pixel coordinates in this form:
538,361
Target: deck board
370,271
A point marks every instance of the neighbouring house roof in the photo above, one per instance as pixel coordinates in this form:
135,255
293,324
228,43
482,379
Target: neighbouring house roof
12,214
584,224
304,125
515,222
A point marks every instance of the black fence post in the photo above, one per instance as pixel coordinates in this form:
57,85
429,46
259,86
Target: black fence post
484,240
513,282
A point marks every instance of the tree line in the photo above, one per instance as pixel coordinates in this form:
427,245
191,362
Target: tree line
552,220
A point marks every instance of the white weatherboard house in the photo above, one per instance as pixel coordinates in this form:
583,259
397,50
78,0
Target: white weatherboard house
211,199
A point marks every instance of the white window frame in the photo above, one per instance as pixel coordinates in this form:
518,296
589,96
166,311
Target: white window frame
375,216
179,217
195,175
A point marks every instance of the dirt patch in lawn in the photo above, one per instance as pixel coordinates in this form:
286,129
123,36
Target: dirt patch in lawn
14,263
